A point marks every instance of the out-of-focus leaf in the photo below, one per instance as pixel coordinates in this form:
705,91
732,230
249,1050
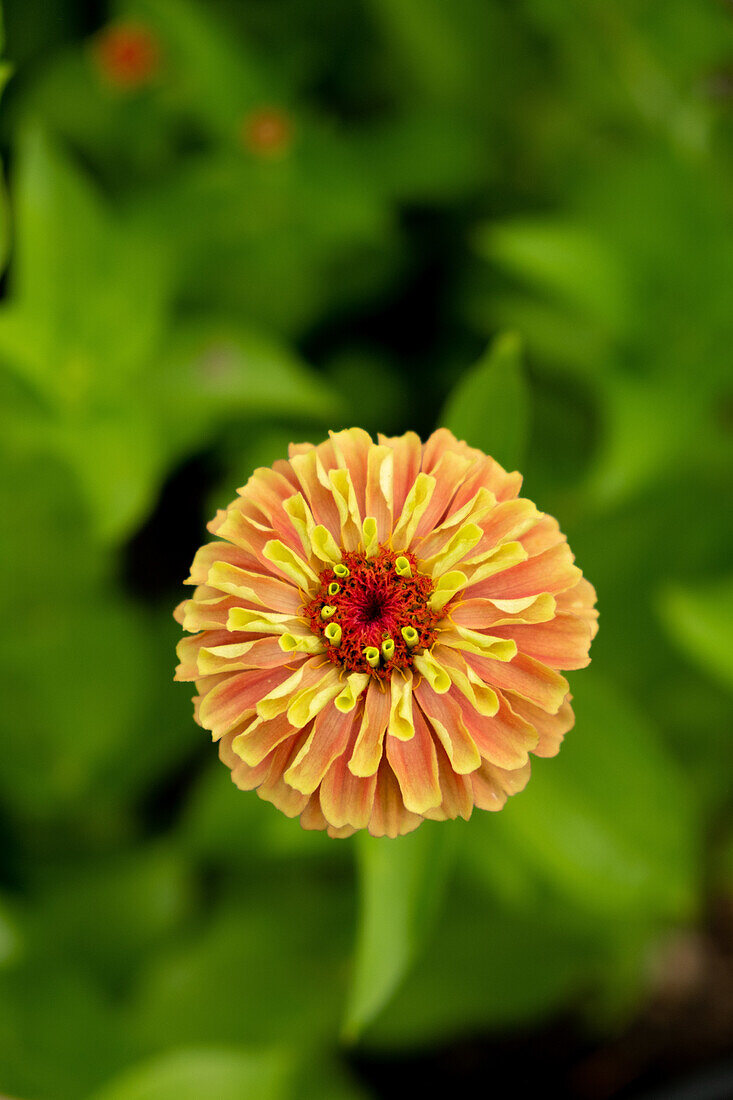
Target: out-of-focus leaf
209,73
489,407
217,371
486,965
226,826
611,821
268,963
192,1074
442,49
562,260
59,1037
91,289
109,914
699,622
77,686
402,885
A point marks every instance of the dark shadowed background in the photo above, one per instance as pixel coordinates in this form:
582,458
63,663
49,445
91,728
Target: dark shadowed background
229,225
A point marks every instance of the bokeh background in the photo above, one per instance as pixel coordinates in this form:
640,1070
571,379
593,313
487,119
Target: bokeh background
229,225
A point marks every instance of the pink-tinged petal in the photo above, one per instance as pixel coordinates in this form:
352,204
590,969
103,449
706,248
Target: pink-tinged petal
415,766
407,450
370,738
534,681
282,466
330,736
188,649
440,442
352,448
448,472
488,474
581,601
481,614
210,614
256,589
551,728
389,816
507,523
218,551
492,785
236,697
514,780
274,789
267,491
551,571
488,793
445,714
235,656
456,791
379,492
347,799
542,536
261,737
562,643
243,776
505,739
248,533
312,818
316,489
299,449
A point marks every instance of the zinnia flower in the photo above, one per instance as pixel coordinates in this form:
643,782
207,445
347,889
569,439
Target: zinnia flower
379,633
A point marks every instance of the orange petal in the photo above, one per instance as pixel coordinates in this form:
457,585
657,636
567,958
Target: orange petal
309,471
448,472
542,536
370,739
352,448
407,459
328,740
347,799
445,713
506,523
563,642
262,736
236,697
380,489
415,766
581,601
389,816
551,728
456,790
504,740
541,685
551,571
218,551
480,614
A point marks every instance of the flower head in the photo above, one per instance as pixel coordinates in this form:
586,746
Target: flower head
268,132
380,631
127,55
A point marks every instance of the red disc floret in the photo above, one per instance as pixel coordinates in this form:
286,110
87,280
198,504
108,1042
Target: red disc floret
371,605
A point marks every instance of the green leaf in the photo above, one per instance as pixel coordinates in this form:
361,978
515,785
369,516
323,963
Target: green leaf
195,1073
267,963
489,407
564,261
92,290
487,964
610,822
699,621
402,884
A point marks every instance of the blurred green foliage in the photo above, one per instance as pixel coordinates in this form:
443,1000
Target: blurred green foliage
250,223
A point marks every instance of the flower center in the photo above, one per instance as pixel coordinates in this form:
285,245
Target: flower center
373,613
